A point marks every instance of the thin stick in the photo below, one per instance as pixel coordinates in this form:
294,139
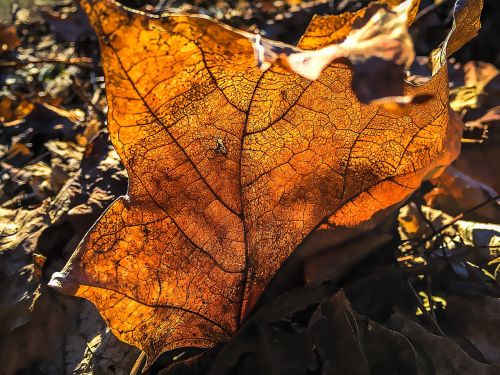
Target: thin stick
83,62
139,364
32,161
83,96
428,316
428,283
470,210
454,220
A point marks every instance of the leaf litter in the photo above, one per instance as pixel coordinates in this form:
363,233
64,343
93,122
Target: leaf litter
355,286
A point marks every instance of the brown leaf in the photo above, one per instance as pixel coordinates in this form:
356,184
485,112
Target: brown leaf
64,336
480,159
333,264
8,38
230,168
446,356
20,277
24,231
455,192
479,326
316,333
65,161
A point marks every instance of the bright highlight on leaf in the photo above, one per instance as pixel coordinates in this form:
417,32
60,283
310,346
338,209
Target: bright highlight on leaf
231,166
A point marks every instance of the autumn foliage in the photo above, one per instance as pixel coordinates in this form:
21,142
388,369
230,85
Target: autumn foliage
234,158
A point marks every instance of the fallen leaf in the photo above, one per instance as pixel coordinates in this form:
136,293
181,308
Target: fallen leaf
380,33
480,160
35,322
466,19
317,333
378,43
325,30
19,277
8,38
264,343
492,117
333,264
64,336
479,326
65,161
230,168
478,76
445,355
21,229
455,193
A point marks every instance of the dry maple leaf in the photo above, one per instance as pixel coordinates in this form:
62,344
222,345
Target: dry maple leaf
230,168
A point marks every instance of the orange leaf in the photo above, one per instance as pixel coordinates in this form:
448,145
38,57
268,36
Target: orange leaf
326,30
230,168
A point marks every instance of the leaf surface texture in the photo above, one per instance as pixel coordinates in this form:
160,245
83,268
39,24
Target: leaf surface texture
230,168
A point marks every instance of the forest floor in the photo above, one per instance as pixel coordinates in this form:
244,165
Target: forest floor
422,297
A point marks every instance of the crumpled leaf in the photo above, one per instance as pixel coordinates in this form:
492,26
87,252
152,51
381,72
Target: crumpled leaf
492,117
230,168
466,23
334,28
478,76
380,46
380,33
